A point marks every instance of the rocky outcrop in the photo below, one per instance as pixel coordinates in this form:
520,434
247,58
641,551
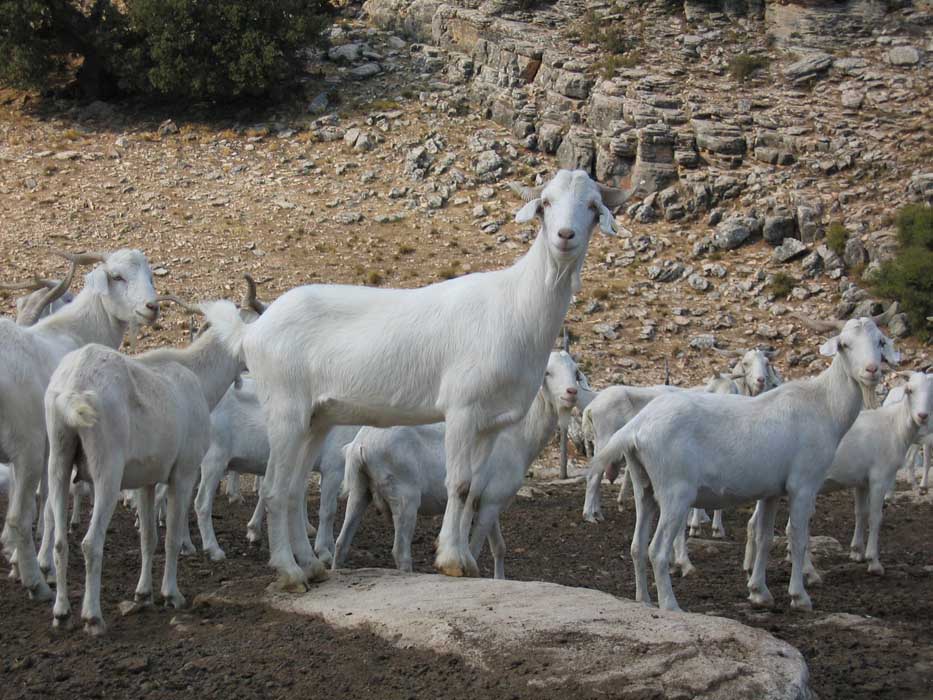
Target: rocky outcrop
568,635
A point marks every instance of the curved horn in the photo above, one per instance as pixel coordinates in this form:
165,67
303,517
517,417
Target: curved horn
249,299
183,304
87,258
884,318
31,286
566,340
36,305
819,325
526,193
613,196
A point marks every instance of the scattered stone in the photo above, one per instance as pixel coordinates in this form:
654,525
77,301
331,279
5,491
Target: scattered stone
348,217
731,234
167,128
319,104
852,99
789,249
698,282
899,326
703,342
349,53
606,330
778,226
367,70
903,56
67,155
488,162
810,68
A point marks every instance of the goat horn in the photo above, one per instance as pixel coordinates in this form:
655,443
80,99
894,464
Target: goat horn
820,325
526,193
884,318
249,299
727,353
667,372
34,307
613,196
86,258
566,340
183,304
31,286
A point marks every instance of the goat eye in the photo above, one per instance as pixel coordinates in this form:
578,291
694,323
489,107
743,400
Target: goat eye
843,346
881,343
117,278
545,203
547,374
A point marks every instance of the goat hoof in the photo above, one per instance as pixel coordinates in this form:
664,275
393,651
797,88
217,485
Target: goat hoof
454,570
923,490
235,500
253,537
94,627
801,602
876,568
686,571
856,555
41,592
813,578
315,571
761,600
719,534
176,600
326,557
187,548
287,585
312,531
216,554
62,623
143,599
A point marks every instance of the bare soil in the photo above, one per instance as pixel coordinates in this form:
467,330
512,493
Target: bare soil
869,637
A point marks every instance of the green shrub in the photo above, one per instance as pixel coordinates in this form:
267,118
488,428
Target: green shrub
609,36
743,66
190,49
836,237
908,277
781,285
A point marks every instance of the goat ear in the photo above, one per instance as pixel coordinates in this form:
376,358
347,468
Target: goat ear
97,281
830,347
737,371
528,212
607,222
891,356
775,376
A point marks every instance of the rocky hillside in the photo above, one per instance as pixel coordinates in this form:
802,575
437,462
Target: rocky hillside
750,130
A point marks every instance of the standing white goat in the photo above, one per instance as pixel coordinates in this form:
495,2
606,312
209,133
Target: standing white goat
470,351
117,293
240,444
131,422
402,469
719,450
867,461
921,448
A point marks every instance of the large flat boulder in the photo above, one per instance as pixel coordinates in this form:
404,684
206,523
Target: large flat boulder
571,635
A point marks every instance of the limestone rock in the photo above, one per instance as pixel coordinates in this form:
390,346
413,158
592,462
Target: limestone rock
731,234
617,643
779,225
577,151
788,250
719,138
806,69
903,56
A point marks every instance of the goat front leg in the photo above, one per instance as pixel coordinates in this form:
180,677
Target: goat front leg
719,530
314,568
671,523
682,554
801,510
404,518
748,562
758,592
212,470
254,526
233,488
646,507
467,450
148,539
327,512
176,526
487,521
592,503
927,450
28,466
876,493
857,546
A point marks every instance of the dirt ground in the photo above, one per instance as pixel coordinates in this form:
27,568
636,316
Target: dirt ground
869,637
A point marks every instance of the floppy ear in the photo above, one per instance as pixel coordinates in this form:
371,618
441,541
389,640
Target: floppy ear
830,347
97,281
607,222
737,371
891,356
774,376
528,212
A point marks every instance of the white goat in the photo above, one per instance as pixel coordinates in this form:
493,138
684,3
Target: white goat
470,351
131,422
117,293
752,374
867,461
240,444
719,450
921,448
402,469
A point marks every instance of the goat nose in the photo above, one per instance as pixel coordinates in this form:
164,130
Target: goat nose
566,233
572,391
871,369
761,380
152,305
923,416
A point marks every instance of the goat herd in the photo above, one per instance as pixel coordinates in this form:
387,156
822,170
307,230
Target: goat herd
448,379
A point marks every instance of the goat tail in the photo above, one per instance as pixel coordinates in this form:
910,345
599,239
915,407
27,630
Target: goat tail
78,408
226,321
353,477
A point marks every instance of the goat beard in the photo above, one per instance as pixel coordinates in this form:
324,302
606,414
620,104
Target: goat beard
557,271
134,333
869,397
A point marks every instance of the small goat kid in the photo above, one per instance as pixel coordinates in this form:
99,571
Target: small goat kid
117,293
402,469
131,423
719,450
922,447
470,351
